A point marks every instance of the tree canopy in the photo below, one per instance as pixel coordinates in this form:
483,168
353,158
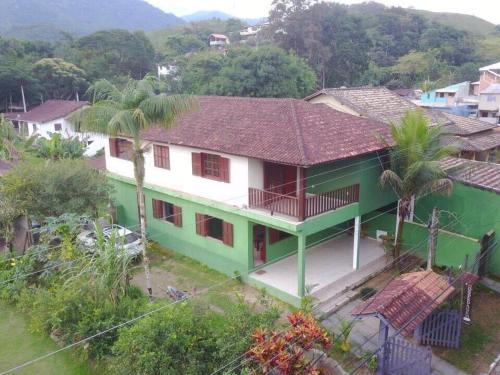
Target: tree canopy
59,79
54,188
264,72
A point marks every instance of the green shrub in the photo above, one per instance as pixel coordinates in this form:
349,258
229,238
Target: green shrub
366,293
173,341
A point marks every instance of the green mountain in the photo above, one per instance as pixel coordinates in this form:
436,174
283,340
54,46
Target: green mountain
465,22
47,19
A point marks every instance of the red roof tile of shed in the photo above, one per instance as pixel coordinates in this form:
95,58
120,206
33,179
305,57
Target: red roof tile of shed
407,300
285,131
48,111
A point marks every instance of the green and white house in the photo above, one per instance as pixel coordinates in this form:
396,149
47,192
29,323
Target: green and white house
273,189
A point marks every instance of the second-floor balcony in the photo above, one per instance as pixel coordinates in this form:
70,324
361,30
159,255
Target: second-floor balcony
302,206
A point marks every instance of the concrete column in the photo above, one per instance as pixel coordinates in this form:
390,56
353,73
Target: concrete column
301,265
355,247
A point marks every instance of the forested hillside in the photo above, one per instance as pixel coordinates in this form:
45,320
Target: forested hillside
45,20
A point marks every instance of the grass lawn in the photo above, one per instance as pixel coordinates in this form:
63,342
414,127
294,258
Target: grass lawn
480,341
171,269
19,345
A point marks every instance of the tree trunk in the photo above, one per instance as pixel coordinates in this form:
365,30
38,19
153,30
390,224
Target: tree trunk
402,212
397,247
139,178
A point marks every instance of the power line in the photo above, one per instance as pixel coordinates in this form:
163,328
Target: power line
112,328
457,278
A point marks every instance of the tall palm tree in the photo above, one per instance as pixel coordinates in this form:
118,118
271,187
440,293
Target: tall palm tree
128,113
415,167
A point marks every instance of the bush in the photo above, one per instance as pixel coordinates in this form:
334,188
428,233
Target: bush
366,293
57,147
184,340
70,314
173,341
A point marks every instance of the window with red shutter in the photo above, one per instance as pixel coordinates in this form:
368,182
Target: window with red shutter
196,163
227,230
211,166
224,169
178,216
161,156
120,148
168,212
199,219
113,147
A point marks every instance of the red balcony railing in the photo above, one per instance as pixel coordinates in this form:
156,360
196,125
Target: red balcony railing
318,204
274,202
314,204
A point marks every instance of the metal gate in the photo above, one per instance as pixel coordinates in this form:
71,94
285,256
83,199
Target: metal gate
441,328
401,357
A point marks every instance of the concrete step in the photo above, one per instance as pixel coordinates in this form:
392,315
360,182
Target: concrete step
326,308
351,280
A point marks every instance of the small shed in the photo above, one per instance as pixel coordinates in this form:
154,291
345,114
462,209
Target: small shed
407,300
404,304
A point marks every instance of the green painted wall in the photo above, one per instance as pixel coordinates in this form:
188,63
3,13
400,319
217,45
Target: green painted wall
451,247
477,211
282,248
364,170
184,240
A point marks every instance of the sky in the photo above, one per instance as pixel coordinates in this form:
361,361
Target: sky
487,9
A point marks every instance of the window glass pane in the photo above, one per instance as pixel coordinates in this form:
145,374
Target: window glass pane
169,212
214,227
211,165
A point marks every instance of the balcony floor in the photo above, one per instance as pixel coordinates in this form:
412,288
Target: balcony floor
328,265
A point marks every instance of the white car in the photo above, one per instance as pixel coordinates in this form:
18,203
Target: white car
130,241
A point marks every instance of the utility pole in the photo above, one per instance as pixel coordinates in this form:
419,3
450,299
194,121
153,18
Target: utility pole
433,235
24,99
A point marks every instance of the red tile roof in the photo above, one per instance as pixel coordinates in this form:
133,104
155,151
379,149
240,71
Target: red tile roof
48,111
479,174
407,300
285,131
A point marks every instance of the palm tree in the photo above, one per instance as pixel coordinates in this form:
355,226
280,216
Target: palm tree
128,113
415,167
8,139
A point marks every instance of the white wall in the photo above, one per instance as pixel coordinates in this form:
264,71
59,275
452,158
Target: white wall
44,130
244,173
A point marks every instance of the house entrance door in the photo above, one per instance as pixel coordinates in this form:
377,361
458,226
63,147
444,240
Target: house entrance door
259,245
281,179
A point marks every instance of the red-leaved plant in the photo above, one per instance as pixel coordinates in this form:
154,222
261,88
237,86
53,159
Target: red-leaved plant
284,352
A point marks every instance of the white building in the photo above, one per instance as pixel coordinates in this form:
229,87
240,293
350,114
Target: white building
52,117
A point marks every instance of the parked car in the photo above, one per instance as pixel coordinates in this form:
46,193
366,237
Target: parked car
130,241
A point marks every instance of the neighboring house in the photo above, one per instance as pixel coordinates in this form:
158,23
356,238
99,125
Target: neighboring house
489,104
474,139
166,70
488,75
52,117
475,204
458,99
266,188
218,40
410,94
